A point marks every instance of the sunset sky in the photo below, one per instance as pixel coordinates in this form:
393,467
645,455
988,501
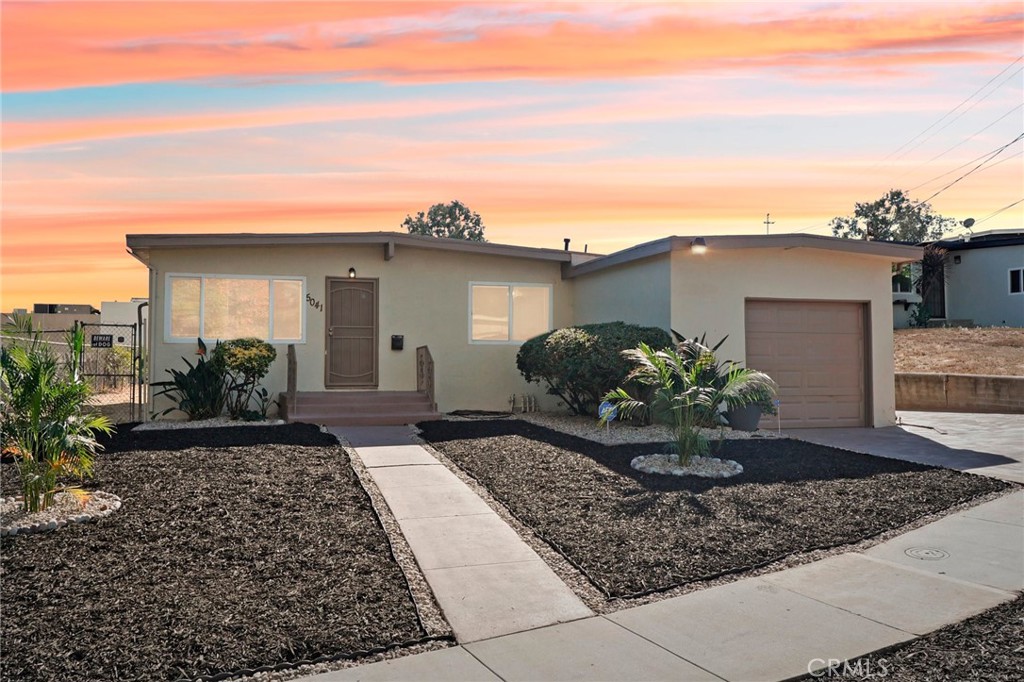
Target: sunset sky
610,123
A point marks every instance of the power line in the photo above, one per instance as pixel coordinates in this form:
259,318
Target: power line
1004,208
958,144
951,111
954,170
961,114
968,173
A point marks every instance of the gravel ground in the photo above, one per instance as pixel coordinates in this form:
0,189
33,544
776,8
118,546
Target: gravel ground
989,647
633,533
618,433
236,548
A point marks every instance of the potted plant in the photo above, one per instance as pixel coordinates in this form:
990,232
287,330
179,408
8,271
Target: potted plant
744,412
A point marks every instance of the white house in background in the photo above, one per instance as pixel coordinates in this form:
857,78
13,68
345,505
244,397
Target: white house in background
984,280
357,308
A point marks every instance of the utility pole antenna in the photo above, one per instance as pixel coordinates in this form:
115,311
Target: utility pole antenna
768,222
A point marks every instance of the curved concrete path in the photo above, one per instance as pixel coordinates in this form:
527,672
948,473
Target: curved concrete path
771,627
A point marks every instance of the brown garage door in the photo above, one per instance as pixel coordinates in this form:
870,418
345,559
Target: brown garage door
815,351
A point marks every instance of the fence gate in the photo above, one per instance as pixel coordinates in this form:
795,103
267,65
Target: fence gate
113,363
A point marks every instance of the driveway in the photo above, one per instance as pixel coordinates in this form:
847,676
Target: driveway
985,444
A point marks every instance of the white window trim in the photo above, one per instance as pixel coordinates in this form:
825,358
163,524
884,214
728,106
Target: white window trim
510,342
202,277
1015,293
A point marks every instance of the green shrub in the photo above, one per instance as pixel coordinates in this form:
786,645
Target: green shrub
581,364
201,392
245,362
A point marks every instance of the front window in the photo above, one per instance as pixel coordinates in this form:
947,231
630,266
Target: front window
508,313
233,307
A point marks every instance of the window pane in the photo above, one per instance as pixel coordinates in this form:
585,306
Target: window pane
530,312
185,307
490,313
235,308
287,310
1015,281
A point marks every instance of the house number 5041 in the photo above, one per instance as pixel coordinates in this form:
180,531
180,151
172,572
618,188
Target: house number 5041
313,303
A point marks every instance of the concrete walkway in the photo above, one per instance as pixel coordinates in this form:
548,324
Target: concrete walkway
486,579
771,627
985,444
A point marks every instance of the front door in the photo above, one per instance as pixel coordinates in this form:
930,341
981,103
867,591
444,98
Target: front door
351,360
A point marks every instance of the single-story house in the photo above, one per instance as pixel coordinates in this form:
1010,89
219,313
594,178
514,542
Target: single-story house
983,280
811,311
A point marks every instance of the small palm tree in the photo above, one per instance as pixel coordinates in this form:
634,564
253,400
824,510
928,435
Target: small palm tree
685,384
45,425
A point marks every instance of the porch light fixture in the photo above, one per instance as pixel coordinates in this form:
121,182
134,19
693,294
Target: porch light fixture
351,273
699,246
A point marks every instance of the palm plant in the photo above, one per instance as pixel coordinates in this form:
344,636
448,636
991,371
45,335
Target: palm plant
685,384
45,425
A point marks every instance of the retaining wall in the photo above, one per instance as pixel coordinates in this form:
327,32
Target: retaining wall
960,393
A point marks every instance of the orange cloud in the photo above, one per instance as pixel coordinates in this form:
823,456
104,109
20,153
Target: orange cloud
55,45
22,134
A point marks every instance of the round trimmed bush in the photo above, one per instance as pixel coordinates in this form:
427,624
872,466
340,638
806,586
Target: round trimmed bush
581,364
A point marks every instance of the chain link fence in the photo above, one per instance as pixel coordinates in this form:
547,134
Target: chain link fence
113,362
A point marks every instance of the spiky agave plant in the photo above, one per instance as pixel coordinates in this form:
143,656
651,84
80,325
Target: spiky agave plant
685,384
46,426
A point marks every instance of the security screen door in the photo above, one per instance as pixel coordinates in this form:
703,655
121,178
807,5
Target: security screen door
351,360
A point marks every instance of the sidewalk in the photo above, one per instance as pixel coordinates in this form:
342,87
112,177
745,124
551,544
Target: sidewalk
770,627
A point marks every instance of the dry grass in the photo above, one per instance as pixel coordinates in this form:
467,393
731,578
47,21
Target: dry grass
981,350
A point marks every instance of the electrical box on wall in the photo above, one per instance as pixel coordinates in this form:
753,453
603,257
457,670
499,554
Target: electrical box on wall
397,342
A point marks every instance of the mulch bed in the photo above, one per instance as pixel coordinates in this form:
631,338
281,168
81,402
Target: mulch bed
632,533
236,548
989,646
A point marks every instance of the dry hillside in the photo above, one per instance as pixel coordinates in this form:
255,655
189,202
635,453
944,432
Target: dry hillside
981,350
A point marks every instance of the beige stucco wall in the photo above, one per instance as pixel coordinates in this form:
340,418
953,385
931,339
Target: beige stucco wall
423,293
709,293
637,293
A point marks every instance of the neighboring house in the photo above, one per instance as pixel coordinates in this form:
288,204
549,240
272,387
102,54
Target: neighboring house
811,311
118,317
57,316
984,280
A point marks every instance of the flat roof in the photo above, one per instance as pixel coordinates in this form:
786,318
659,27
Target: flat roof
140,244
897,253
577,263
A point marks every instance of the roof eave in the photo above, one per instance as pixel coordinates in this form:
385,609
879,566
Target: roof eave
388,239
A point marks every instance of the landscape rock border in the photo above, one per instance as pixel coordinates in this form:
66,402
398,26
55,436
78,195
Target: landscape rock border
705,467
66,509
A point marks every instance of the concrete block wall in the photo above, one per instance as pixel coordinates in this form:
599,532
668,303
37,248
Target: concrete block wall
960,393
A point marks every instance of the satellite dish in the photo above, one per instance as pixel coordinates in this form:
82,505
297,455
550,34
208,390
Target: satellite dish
968,223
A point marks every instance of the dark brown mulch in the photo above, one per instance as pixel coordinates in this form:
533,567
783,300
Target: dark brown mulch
633,533
236,548
989,646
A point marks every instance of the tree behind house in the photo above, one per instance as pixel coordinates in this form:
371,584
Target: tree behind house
453,220
892,218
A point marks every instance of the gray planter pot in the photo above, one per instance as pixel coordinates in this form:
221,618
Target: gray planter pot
744,418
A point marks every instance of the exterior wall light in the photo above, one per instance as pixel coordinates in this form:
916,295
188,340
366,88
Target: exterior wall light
351,273
699,246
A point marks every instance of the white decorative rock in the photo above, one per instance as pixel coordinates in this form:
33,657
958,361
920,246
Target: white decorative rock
704,467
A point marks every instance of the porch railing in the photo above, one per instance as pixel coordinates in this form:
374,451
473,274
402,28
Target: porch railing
425,373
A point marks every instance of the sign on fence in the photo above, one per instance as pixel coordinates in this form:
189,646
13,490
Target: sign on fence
102,340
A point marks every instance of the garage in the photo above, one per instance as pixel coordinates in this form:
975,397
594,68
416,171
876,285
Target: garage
816,352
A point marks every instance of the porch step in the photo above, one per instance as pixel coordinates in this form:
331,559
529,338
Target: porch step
359,408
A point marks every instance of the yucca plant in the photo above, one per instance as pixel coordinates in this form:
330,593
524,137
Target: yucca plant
685,383
45,423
